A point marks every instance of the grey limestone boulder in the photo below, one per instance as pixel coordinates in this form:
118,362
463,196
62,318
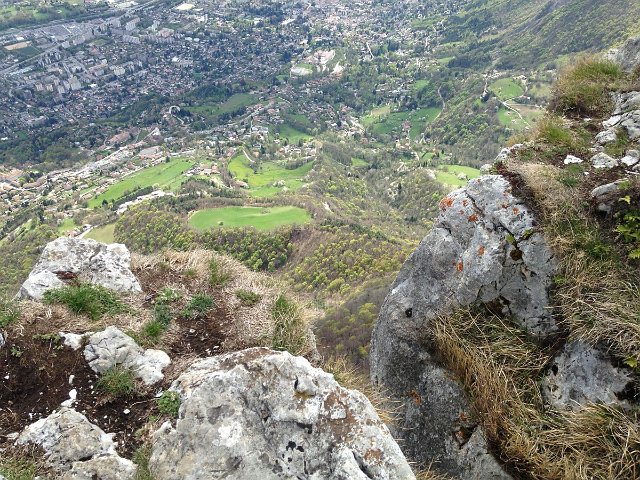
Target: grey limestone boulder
260,414
112,347
581,374
86,260
602,161
76,448
628,55
484,248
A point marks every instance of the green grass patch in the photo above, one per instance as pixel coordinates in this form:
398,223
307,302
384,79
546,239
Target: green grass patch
91,300
247,297
358,162
163,176
448,175
261,183
66,226
510,119
117,381
257,217
292,135
199,306
104,234
583,89
18,468
507,88
376,115
10,312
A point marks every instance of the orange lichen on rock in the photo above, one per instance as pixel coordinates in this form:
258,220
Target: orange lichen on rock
460,266
473,218
481,251
416,397
445,203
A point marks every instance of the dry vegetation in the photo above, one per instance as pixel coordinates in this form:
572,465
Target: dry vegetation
596,299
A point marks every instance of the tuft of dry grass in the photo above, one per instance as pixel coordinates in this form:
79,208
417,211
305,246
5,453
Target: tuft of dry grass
500,368
352,378
597,295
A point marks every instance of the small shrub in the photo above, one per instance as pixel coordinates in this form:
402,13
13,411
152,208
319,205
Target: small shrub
117,381
584,88
91,300
9,312
247,297
289,331
199,306
152,331
629,230
169,403
218,277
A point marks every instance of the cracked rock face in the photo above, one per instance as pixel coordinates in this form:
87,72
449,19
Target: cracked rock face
483,249
112,347
84,260
583,374
269,415
76,448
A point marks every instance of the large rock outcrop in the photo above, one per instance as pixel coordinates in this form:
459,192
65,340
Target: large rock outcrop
269,415
483,249
84,260
77,449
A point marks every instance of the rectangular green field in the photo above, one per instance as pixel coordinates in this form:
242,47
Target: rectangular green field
258,217
163,175
417,118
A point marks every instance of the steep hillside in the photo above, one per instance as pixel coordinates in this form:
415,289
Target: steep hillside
527,34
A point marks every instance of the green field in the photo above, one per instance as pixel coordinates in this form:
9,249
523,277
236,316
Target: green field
448,175
418,119
66,226
358,162
376,115
261,183
257,217
103,234
230,105
292,135
419,85
164,175
506,88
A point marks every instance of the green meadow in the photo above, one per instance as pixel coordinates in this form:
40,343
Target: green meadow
164,176
448,175
257,217
261,183
102,234
506,88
